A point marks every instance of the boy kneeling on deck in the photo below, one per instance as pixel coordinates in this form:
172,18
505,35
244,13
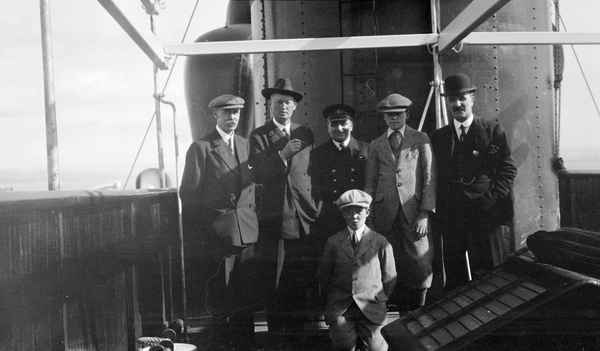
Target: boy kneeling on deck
357,275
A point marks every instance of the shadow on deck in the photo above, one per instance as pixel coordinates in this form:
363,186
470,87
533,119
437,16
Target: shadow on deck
202,333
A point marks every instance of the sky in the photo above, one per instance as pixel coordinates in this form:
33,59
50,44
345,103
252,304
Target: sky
104,86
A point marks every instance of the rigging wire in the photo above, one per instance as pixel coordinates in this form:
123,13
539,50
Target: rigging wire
163,91
582,72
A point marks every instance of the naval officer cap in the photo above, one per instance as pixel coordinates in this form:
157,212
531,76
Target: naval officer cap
354,197
393,103
338,112
227,102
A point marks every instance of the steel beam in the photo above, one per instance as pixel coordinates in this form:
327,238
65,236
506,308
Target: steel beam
123,11
531,38
469,19
290,45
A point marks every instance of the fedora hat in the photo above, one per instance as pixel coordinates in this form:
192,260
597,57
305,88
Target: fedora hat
457,84
282,86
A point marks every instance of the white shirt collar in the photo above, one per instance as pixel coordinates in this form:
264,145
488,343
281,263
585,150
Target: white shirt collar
401,130
466,123
345,143
359,232
280,126
225,136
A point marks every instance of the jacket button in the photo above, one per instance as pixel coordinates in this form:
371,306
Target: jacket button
399,185
351,169
333,171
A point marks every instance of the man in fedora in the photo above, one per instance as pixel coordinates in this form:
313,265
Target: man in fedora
279,155
401,178
336,166
475,179
219,221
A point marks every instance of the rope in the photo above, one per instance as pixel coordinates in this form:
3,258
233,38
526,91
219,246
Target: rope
557,83
265,62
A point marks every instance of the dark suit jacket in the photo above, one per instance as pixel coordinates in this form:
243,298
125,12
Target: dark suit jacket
487,165
367,278
333,172
286,190
216,191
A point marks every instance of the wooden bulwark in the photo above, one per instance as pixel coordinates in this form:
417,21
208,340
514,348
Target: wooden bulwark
580,199
83,270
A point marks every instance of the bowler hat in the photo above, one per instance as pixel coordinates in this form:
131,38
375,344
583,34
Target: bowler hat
338,112
393,103
282,86
354,197
226,102
457,84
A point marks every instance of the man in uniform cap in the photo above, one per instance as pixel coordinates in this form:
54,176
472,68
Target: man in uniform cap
335,166
476,173
360,258
219,219
279,155
401,177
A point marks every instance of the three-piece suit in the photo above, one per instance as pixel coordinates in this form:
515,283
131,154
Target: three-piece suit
475,181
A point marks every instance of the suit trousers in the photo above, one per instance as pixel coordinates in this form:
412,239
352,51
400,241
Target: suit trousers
468,231
288,303
413,263
352,331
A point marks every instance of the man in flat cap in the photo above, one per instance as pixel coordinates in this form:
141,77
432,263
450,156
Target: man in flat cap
219,219
401,178
279,155
476,173
357,274
336,166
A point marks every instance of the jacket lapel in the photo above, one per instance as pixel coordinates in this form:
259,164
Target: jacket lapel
222,150
407,141
346,244
365,243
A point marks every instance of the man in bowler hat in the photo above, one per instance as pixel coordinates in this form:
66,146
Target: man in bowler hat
475,179
401,178
219,220
279,155
336,166
357,274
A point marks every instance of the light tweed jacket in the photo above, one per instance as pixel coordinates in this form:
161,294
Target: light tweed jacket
409,181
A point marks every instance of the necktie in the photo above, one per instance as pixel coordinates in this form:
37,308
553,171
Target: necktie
463,133
230,144
354,241
285,134
395,140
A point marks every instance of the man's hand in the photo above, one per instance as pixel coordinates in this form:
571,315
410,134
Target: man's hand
422,226
291,148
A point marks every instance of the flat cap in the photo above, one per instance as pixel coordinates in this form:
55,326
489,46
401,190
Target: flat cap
393,103
227,101
338,112
354,197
